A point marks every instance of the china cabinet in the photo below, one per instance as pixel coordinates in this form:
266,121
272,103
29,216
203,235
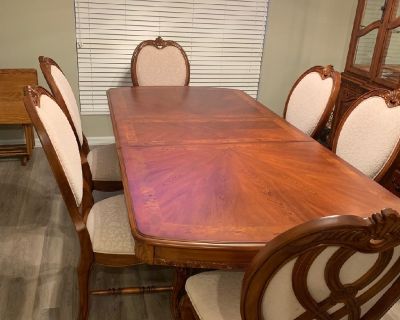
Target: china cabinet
373,60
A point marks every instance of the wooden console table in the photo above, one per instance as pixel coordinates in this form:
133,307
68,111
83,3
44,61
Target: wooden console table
12,109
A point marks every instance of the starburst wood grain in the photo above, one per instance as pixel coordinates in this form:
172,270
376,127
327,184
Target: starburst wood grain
211,175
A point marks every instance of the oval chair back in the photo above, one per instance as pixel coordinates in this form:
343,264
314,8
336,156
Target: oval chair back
160,63
312,99
368,135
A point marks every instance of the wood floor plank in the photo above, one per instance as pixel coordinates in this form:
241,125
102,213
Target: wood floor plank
39,254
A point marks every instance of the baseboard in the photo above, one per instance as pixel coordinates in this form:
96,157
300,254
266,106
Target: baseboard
96,141
93,141
15,141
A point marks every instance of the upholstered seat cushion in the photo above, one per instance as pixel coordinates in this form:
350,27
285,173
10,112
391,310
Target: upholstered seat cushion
215,295
109,228
104,165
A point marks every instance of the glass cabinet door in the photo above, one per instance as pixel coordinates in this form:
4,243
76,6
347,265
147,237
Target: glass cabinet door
373,11
365,50
390,69
390,66
370,23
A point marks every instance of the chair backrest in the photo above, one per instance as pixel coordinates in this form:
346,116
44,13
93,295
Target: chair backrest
312,99
63,154
160,63
63,94
368,135
338,267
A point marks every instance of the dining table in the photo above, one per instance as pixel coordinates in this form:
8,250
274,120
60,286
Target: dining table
211,175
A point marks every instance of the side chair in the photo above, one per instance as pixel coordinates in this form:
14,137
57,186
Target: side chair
103,227
102,161
368,135
337,267
160,63
312,99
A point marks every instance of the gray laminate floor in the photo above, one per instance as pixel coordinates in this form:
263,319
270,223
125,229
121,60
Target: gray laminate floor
39,253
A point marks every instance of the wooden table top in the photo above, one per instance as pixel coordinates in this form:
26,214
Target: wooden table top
210,175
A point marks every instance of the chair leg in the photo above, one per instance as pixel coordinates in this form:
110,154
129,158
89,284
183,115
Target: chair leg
181,275
83,281
107,186
187,311
132,290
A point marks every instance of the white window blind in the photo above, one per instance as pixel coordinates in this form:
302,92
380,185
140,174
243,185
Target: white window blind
222,38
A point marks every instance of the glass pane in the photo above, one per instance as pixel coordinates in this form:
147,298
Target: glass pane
365,50
391,64
372,12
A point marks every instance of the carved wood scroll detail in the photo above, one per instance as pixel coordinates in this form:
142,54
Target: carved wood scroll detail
379,234
160,43
327,72
392,98
33,93
382,235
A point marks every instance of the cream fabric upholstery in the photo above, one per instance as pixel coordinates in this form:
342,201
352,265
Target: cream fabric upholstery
103,161
393,313
365,307
308,101
108,227
104,164
369,136
160,67
69,99
64,142
215,295
364,263
280,302
284,302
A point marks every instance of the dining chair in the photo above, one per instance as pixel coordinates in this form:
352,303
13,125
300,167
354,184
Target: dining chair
337,267
103,160
160,63
312,99
368,135
103,227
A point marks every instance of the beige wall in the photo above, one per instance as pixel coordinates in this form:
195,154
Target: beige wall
300,33
31,28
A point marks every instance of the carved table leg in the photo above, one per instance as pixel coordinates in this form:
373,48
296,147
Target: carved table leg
186,309
179,291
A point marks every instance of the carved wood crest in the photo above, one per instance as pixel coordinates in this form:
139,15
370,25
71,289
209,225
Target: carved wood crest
31,94
160,43
327,72
392,98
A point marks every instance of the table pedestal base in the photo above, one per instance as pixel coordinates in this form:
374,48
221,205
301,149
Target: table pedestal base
180,304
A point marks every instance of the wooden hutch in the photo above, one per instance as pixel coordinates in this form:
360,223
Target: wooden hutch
373,61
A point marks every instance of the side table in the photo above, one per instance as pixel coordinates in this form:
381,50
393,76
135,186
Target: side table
12,110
